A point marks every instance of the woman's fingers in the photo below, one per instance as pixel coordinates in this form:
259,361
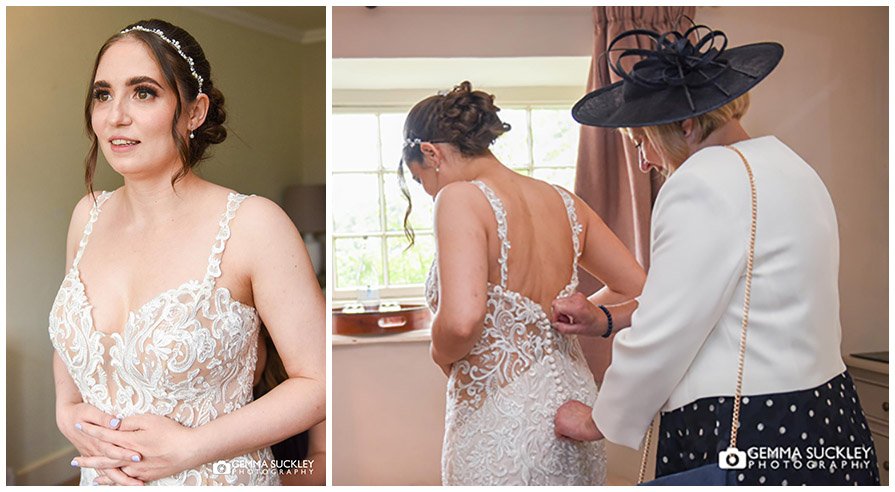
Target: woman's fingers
572,315
118,477
89,413
100,462
134,423
102,480
567,329
124,455
567,308
118,438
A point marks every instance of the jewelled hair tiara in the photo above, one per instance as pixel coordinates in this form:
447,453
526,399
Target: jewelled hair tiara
174,43
412,142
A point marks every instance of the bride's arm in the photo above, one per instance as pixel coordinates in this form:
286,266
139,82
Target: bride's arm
605,257
462,248
290,302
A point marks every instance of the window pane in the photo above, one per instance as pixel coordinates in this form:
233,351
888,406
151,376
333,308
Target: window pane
391,127
356,203
355,142
555,136
358,262
564,177
410,267
396,205
511,148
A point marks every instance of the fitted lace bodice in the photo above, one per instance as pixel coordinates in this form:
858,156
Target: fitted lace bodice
188,354
502,396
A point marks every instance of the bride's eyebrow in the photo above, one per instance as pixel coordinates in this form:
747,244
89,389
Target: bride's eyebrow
141,79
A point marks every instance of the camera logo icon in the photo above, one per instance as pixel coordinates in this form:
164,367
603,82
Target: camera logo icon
732,459
221,467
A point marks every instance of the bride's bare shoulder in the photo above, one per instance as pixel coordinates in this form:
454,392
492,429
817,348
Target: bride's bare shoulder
263,215
460,198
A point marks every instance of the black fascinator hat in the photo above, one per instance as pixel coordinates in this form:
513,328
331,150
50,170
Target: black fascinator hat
676,79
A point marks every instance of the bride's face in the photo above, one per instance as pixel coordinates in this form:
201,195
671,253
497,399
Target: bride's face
133,110
426,176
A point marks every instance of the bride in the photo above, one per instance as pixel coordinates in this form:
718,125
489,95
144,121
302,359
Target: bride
152,385
507,245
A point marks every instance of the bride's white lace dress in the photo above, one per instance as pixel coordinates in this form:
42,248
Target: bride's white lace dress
189,354
503,395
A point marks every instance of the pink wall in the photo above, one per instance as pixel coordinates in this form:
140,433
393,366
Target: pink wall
828,100
390,32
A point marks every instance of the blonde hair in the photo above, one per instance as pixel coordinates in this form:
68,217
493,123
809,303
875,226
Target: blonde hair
669,141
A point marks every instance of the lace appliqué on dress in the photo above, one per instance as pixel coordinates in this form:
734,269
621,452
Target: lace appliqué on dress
503,395
188,354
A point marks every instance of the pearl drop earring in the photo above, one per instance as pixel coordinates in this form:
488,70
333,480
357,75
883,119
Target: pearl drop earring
192,135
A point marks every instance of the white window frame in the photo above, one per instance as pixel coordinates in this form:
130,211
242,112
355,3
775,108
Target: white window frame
401,100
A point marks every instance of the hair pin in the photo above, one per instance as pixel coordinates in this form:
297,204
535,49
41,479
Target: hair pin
175,44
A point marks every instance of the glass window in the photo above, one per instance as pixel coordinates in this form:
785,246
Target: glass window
369,247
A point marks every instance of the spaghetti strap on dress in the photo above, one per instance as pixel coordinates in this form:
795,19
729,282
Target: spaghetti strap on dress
502,397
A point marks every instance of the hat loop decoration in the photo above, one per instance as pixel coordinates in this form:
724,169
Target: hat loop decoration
678,76
682,63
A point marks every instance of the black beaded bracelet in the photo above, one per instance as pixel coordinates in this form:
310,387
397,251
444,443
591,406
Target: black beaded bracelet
608,321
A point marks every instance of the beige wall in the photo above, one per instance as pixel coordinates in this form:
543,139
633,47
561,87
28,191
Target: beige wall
828,100
273,91
311,66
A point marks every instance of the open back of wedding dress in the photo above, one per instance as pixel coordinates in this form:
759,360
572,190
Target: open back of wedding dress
188,354
503,395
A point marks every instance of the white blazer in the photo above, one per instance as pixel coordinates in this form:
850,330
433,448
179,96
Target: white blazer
684,337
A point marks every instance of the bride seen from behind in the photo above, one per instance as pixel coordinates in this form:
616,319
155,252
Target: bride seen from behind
507,245
154,385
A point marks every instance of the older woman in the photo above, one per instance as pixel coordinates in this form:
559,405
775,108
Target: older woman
155,326
681,106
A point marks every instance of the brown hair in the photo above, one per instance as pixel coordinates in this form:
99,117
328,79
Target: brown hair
668,139
176,72
464,118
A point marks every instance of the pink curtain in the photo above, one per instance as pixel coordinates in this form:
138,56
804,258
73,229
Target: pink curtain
607,177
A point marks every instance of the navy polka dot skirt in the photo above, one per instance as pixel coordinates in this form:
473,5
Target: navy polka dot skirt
817,436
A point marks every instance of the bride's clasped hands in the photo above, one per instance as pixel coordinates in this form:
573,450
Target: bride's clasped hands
164,446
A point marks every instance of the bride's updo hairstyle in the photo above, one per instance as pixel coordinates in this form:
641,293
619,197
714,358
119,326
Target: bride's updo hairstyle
465,118
185,79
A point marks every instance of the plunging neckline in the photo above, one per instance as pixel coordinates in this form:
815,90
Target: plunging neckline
195,286
75,276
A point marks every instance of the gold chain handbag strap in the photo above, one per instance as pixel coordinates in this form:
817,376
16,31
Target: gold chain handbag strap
750,261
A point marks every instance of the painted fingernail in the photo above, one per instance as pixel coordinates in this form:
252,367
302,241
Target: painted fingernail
74,463
114,423
78,425
135,458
